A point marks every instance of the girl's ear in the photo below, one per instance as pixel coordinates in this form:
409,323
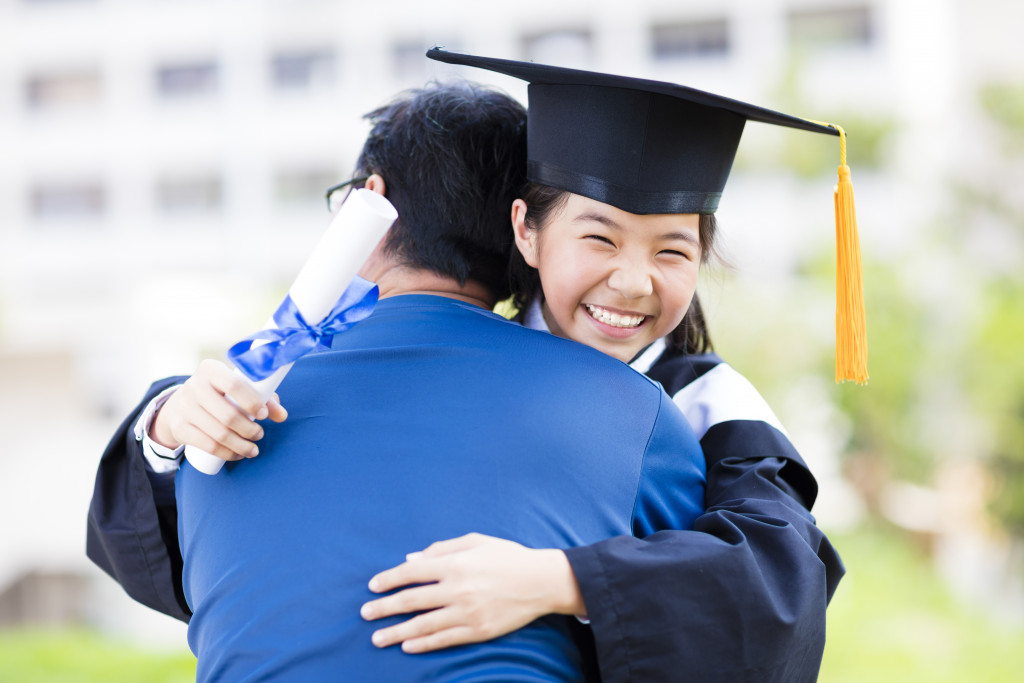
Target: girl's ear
526,237
375,183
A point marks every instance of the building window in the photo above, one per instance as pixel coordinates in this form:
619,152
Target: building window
68,200
689,39
301,187
188,195
565,47
195,79
850,26
71,88
302,70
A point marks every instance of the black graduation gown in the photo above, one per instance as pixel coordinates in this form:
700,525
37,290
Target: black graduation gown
741,597
132,530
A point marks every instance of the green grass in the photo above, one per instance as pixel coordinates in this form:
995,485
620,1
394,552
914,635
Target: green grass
892,619
78,656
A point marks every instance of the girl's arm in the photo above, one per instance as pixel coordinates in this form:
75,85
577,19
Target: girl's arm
132,526
740,598
478,588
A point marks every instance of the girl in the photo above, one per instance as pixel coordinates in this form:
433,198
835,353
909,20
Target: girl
616,237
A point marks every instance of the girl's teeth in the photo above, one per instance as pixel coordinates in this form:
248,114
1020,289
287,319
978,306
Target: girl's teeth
614,319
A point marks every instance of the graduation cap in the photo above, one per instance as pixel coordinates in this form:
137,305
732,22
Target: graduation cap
650,147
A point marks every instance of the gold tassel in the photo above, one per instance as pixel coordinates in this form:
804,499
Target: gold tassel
851,326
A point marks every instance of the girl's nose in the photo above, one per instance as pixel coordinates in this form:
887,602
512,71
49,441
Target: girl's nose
632,280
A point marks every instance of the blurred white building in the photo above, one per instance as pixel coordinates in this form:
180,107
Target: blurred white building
162,165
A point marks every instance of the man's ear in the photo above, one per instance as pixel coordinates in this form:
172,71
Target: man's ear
526,237
375,183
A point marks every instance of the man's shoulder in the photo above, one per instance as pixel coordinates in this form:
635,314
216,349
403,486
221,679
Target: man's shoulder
434,326
571,362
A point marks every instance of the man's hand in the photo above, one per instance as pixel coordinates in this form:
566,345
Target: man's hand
199,414
477,588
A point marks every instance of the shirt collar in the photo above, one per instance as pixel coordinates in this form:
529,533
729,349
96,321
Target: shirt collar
534,319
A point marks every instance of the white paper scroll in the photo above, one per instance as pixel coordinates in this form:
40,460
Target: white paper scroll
355,230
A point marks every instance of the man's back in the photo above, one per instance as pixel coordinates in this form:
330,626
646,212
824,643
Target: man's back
429,420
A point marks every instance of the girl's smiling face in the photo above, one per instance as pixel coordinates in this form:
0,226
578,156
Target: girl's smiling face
613,280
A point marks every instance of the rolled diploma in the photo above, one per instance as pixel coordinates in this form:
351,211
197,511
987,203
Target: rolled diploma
354,231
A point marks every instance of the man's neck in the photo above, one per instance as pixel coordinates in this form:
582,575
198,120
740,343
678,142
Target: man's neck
394,278
399,280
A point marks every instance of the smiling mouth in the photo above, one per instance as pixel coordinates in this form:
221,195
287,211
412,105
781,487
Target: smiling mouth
605,316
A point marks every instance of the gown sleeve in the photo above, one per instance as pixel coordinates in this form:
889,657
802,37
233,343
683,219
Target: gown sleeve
132,531
741,596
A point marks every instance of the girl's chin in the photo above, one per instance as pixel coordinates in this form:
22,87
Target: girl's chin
624,352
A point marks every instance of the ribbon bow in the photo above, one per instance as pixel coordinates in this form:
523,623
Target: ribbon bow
294,337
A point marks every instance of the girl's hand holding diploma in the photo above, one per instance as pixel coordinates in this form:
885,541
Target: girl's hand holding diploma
200,414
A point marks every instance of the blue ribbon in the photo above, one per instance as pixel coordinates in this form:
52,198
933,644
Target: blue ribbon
294,337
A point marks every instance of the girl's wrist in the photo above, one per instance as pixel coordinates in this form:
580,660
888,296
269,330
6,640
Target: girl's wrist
565,591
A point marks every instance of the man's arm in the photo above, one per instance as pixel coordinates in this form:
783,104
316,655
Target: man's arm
132,526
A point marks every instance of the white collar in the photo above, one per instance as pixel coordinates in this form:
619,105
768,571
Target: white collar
534,319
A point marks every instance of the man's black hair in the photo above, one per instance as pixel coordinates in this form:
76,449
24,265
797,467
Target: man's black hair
453,158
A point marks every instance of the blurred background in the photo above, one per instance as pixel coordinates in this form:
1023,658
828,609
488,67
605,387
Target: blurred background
162,167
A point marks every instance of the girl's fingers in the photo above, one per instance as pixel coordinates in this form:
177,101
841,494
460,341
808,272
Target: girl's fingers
409,600
421,626
409,572
454,545
449,637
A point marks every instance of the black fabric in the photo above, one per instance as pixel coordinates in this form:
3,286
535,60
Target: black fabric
742,597
646,147
555,75
675,369
642,152
132,531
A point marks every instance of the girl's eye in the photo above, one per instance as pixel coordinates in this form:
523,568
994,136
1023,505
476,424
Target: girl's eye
674,253
599,238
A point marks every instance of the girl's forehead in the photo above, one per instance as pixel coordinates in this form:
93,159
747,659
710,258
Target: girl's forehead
581,209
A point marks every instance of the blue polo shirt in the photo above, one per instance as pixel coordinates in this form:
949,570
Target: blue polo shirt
430,419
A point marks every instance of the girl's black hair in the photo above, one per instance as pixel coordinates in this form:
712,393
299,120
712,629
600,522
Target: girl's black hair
691,336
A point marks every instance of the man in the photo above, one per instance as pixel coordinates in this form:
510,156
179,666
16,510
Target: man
432,418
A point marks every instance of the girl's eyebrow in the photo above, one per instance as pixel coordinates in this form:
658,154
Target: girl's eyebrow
597,218
610,223
685,236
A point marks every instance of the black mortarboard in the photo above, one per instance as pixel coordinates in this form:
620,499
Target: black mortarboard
653,147
642,146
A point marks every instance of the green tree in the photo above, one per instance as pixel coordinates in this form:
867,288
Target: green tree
989,202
